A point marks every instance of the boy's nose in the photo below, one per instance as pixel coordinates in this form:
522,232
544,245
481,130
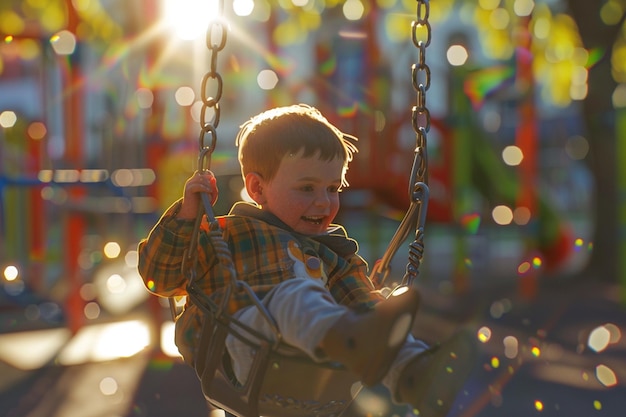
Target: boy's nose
322,199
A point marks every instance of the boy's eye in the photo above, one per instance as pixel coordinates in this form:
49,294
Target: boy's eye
331,189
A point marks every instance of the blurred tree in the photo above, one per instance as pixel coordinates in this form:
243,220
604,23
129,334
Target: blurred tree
601,26
570,36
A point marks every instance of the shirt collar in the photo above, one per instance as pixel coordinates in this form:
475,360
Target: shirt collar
335,237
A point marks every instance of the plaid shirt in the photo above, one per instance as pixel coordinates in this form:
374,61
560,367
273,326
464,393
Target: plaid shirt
262,252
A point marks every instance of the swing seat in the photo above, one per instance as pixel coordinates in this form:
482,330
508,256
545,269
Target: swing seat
282,382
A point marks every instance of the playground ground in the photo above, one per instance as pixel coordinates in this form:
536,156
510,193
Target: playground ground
559,351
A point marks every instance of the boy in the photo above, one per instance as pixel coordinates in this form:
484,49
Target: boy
293,162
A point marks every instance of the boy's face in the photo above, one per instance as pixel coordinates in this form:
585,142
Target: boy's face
304,193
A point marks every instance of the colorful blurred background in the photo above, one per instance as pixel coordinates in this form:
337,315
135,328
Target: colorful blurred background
100,110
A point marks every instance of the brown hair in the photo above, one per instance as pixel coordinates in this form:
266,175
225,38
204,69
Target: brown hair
267,137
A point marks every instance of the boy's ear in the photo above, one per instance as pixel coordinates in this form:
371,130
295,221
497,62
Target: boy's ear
254,187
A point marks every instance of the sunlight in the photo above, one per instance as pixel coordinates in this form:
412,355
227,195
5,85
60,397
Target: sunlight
168,346
105,342
119,287
189,18
32,350
371,403
243,7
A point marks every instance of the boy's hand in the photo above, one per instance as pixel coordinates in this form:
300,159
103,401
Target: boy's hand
199,182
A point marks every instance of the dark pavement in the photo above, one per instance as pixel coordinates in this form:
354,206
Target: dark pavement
535,359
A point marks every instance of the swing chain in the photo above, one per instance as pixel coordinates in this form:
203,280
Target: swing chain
211,89
420,75
421,35
216,35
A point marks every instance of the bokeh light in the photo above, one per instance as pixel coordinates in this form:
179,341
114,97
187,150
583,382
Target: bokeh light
499,18
66,175
512,155
488,4
523,268
619,96
131,258
492,121
353,9
535,351
112,250
511,347
267,79
63,42
11,273
108,386
144,97
495,362
578,243
606,376
500,307
116,284
88,291
599,339
502,215
521,215
484,334
577,147
614,331
184,96
541,28
11,22
91,310
133,177
610,12
8,119
37,130
523,7
457,55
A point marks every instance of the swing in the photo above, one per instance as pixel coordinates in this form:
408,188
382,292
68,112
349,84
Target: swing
283,382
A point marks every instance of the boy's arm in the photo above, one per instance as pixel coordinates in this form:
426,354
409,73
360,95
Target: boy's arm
350,285
161,254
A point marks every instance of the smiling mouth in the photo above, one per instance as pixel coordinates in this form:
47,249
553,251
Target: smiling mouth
313,219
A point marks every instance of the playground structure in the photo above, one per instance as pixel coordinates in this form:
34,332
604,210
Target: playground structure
84,120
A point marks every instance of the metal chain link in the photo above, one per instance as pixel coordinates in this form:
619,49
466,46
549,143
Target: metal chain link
415,216
421,35
420,75
211,89
211,93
